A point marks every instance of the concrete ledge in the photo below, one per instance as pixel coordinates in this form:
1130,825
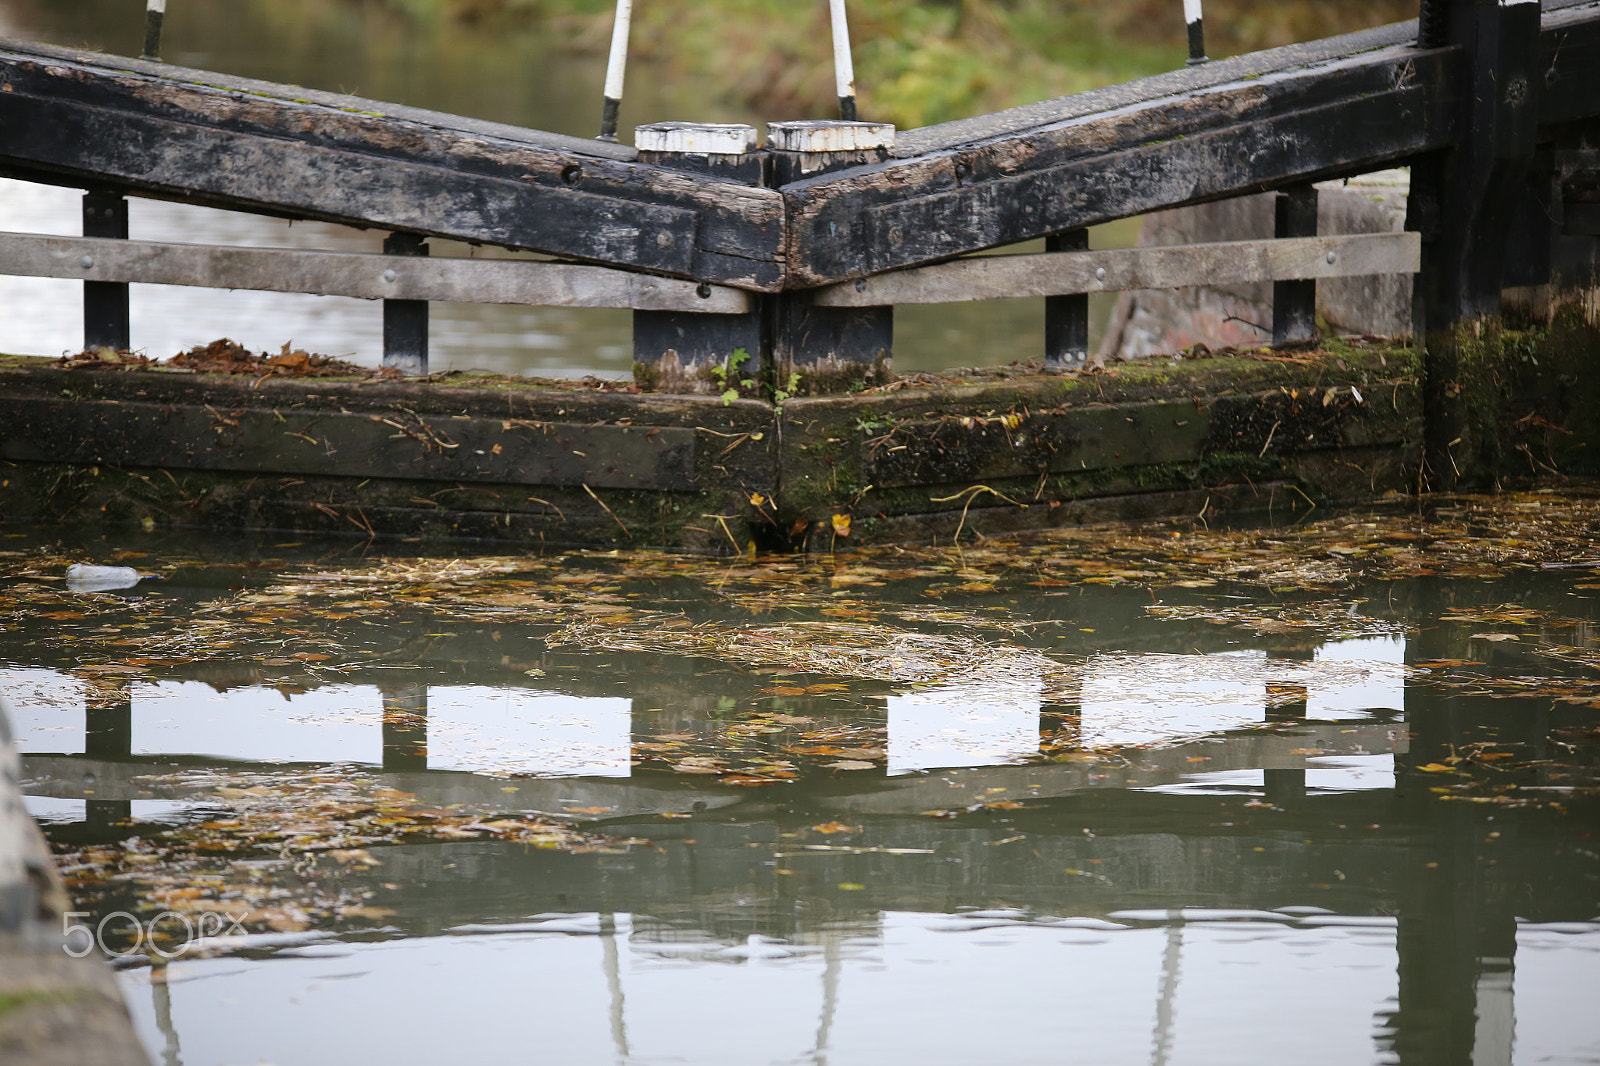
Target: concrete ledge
55,1010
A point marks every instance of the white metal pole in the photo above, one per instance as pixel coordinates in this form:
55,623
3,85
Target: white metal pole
616,67
844,74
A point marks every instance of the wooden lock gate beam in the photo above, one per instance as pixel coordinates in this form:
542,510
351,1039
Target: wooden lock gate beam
119,125
1267,120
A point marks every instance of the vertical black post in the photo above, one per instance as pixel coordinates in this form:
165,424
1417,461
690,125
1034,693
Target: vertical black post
1197,32
1464,202
405,322
1294,303
1433,22
830,348
1066,318
687,351
155,13
405,728
105,303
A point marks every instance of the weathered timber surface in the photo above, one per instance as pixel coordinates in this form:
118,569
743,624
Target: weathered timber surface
993,277
504,460
525,464
1139,443
387,444
367,277
1287,116
84,118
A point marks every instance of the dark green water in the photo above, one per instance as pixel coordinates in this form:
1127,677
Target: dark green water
1264,800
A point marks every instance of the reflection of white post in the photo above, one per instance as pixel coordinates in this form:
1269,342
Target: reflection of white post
611,964
1171,968
830,997
161,997
1496,1028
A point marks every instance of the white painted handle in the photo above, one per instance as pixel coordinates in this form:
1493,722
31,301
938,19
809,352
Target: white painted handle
617,65
844,74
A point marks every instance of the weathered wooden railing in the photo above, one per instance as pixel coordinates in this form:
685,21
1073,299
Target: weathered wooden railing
797,252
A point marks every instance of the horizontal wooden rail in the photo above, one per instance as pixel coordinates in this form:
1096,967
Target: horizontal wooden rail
364,276
994,277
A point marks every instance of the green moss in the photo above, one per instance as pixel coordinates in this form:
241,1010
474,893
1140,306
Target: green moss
14,1001
647,376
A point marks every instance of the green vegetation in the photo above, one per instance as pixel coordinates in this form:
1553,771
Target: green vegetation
916,62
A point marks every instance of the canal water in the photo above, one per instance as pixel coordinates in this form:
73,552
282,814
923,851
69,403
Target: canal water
1313,793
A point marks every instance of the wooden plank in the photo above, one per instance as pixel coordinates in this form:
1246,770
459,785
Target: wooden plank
1218,72
970,450
1359,115
75,117
395,444
367,277
1113,270
1071,163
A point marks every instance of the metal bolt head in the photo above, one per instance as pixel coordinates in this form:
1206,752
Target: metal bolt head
389,275
663,239
1333,257
1100,275
86,262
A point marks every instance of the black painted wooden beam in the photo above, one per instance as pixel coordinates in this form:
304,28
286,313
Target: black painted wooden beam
1266,127
105,303
124,124
1294,303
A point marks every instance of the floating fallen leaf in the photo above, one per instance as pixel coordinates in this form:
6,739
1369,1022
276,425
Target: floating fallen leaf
851,764
835,827
353,855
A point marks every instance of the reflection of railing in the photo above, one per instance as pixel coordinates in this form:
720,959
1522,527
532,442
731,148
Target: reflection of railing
984,732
